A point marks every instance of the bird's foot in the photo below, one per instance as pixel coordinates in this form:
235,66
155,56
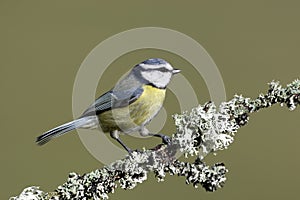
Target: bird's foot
166,139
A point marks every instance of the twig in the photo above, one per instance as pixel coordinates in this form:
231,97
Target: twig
203,130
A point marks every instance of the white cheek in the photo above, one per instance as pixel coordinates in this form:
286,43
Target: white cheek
160,79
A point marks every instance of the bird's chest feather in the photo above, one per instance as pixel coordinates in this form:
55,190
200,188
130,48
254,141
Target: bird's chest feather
147,105
138,113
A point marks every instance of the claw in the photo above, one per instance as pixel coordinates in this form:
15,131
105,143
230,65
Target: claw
166,140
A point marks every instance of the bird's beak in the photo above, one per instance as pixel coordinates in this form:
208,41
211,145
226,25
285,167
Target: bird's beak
176,71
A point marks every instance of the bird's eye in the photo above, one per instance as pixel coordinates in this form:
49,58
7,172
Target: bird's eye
163,69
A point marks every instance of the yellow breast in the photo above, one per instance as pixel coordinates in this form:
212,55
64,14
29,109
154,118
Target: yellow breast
138,113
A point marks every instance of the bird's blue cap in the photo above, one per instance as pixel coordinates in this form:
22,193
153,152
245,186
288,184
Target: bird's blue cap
154,61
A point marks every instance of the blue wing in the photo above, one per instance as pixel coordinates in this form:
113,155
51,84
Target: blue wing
113,99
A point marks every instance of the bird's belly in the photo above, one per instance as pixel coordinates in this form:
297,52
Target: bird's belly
139,113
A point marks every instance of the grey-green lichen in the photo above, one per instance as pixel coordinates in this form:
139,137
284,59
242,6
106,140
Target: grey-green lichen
32,193
204,129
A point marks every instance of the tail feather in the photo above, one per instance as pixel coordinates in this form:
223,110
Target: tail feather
60,130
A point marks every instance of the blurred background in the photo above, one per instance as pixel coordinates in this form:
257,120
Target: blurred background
44,43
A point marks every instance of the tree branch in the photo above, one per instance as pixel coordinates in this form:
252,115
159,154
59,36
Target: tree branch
204,130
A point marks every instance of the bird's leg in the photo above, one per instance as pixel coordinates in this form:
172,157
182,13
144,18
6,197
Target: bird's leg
165,139
115,135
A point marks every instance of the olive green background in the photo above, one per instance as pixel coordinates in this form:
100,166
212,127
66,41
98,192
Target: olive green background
43,43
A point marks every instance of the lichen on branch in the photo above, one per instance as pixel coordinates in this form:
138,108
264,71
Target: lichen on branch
203,130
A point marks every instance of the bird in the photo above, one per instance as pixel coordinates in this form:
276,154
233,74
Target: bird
126,108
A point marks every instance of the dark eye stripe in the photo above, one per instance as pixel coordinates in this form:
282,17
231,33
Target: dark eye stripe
161,69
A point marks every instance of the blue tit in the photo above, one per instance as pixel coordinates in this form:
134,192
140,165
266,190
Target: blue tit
132,103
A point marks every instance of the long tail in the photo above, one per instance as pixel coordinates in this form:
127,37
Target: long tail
62,129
